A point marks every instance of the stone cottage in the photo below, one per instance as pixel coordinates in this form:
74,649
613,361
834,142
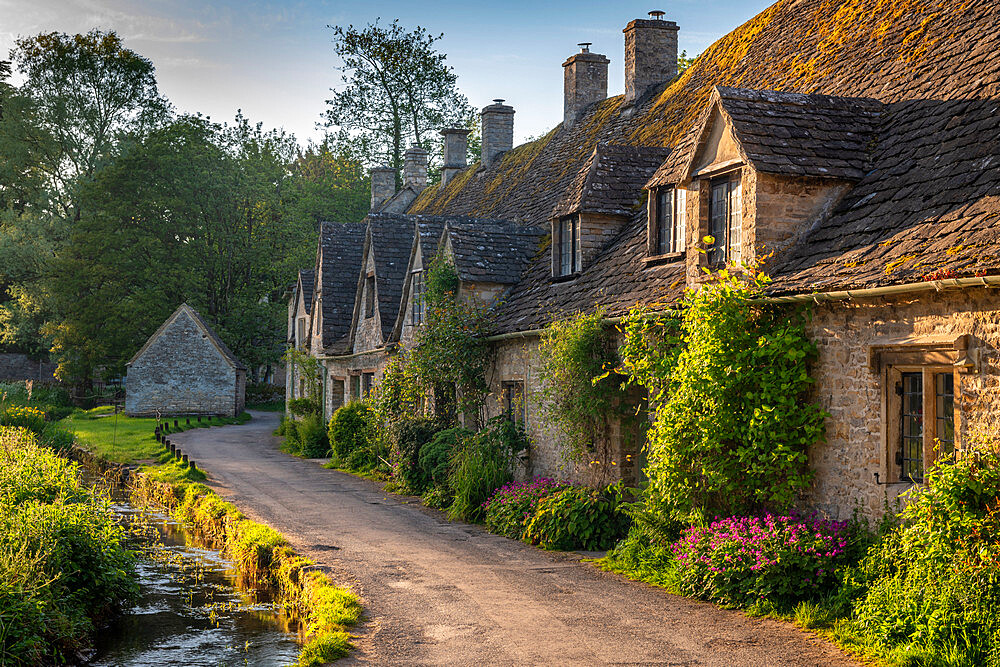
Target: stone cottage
185,369
854,147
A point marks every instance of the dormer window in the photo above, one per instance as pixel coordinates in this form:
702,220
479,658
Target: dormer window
668,216
417,297
566,247
725,220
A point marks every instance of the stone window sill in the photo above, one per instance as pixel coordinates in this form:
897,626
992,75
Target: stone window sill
565,279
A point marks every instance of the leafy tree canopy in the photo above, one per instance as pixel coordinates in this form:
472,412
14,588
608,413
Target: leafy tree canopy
396,90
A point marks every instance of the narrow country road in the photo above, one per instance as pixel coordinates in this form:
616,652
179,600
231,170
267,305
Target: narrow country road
437,592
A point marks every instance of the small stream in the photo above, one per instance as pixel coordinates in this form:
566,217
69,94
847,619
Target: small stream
191,610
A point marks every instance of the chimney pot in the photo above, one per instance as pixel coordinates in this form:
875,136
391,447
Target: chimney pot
383,186
650,54
498,131
585,81
456,150
415,168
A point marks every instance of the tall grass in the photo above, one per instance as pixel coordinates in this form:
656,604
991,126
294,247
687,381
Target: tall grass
64,567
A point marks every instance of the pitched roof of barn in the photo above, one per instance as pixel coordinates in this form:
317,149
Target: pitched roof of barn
207,330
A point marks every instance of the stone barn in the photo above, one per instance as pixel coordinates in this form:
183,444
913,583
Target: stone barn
185,369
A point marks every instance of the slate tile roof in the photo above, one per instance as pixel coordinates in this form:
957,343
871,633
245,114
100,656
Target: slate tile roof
610,180
341,247
205,328
929,208
890,51
492,251
391,238
307,279
790,134
616,280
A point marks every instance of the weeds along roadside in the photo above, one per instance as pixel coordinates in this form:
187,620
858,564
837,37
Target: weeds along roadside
262,556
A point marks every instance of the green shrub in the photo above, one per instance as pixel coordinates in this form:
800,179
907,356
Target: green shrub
932,586
57,437
577,518
262,392
511,506
64,567
17,416
311,437
301,407
436,497
483,464
407,436
352,427
780,560
435,456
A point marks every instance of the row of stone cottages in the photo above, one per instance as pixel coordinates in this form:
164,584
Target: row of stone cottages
861,148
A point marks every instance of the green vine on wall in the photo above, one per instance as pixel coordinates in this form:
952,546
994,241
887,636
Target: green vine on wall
451,356
581,394
729,389
308,369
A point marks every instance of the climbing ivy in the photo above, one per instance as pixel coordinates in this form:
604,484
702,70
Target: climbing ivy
728,386
308,369
581,393
451,356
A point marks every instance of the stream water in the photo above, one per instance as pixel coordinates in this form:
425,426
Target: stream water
192,610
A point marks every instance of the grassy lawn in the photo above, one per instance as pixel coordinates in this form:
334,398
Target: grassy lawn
124,439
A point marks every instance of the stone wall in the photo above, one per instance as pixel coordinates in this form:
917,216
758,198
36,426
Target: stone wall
585,81
497,132
852,392
368,334
15,366
182,372
650,55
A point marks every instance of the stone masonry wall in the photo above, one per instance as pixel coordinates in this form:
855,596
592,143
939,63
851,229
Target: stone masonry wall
15,366
851,392
181,372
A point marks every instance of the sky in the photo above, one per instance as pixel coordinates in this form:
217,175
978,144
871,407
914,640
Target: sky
275,60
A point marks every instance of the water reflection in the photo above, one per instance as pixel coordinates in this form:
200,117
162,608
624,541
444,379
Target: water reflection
191,612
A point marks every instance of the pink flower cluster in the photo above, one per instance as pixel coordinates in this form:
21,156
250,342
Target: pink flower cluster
524,492
739,558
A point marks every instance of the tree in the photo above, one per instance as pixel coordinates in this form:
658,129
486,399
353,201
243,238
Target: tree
397,90
82,93
193,212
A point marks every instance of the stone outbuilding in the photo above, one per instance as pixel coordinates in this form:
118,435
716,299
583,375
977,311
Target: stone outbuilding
185,369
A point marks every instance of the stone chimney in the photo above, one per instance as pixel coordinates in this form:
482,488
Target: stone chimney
415,168
585,81
498,131
383,185
456,151
650,54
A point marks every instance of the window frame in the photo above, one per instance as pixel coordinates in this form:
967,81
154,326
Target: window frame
301,331
895,455
667,239
367,383
561,266
727,247
417,297
513,401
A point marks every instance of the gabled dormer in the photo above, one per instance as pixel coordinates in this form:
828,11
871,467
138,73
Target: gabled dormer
427,233
489,255
756,171
602,198
337,259
385,253
300,312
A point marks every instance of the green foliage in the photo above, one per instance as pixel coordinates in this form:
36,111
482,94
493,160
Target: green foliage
260,394
352,434
780,560
301,407
435,456
396,90
684,61
451,352
932,586
512,506
732,426
16,416
580,395
307,368
307,437
643,558
483,464
577,518
64,567
408,437
325,649
399,394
